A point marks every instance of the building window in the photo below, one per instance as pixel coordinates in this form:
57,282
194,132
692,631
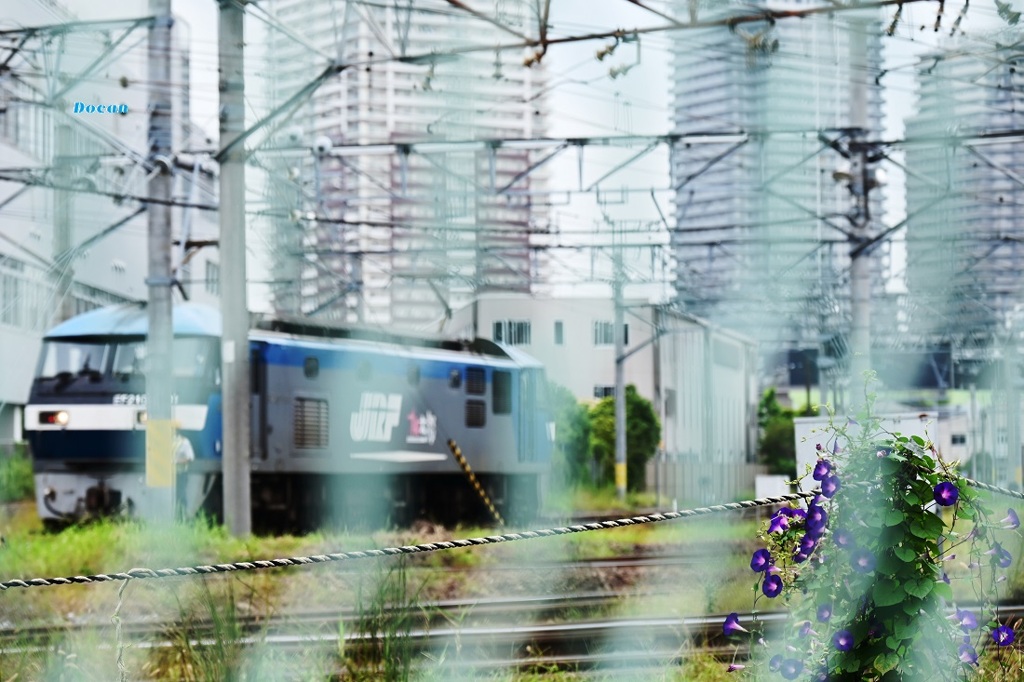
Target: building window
959,439
604,392
512,332
559,333
604,333
212,278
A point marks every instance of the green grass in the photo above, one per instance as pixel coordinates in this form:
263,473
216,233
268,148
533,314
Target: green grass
16,481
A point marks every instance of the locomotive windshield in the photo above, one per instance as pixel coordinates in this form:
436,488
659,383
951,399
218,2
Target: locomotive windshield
124,360
72,357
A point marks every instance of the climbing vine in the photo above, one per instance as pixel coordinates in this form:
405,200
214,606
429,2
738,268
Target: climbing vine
867,568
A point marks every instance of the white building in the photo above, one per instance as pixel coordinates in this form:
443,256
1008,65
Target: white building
386,235
86,239
701,379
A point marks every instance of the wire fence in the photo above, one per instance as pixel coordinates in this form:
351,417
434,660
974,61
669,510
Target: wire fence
658,517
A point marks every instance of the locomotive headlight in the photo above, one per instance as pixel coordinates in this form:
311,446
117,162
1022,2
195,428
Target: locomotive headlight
55,418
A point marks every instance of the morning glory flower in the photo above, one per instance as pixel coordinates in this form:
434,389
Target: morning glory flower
946,494
863,561
805,629
733,667
732,625
775,663
843,640
822,469
824,613
808,543
791,668
1003,635
968,654
761,560
772,586
829,486
817,519
843,538
1002,557
966,620
1011,522
779,523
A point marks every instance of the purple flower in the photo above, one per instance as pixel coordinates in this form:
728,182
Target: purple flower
772,586
1011,522
829,486
791,668
775,663
761,560
968,654
779,523
843,538
733,667
965,619
801,557
863,561
822,469
817,519
805,629
732,625
1002,557
824,613
842,640
808,543
817,446
1003,635
946,494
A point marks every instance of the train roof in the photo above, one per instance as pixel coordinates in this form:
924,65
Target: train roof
189,319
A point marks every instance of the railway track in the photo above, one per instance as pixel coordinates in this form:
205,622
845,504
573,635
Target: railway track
485,634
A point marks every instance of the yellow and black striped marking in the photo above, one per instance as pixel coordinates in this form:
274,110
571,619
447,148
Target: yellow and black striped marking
453,446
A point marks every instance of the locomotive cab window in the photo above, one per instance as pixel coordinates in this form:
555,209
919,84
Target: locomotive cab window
455,379
311,367
501,400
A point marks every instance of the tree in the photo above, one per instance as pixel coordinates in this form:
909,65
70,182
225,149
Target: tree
643,433
571,458
777,446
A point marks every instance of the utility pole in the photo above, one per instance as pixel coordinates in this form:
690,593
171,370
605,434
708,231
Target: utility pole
234,303
65,264
159,423
860,274
620,388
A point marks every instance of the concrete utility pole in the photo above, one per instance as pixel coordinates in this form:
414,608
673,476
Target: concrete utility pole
65,270
620,387
233,302
159,423
860,274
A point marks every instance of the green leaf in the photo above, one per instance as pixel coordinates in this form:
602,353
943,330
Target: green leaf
886,662
887,592
918,440
965,511
919,588
943,590
911,497
905,554
904,629
912,607
894,517
892,642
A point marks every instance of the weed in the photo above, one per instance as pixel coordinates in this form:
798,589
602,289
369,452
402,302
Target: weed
16,481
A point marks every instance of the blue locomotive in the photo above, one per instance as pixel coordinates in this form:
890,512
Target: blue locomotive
348,425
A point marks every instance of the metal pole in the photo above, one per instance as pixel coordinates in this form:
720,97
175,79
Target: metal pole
159,424
65,271
234,304
860,275
620,383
